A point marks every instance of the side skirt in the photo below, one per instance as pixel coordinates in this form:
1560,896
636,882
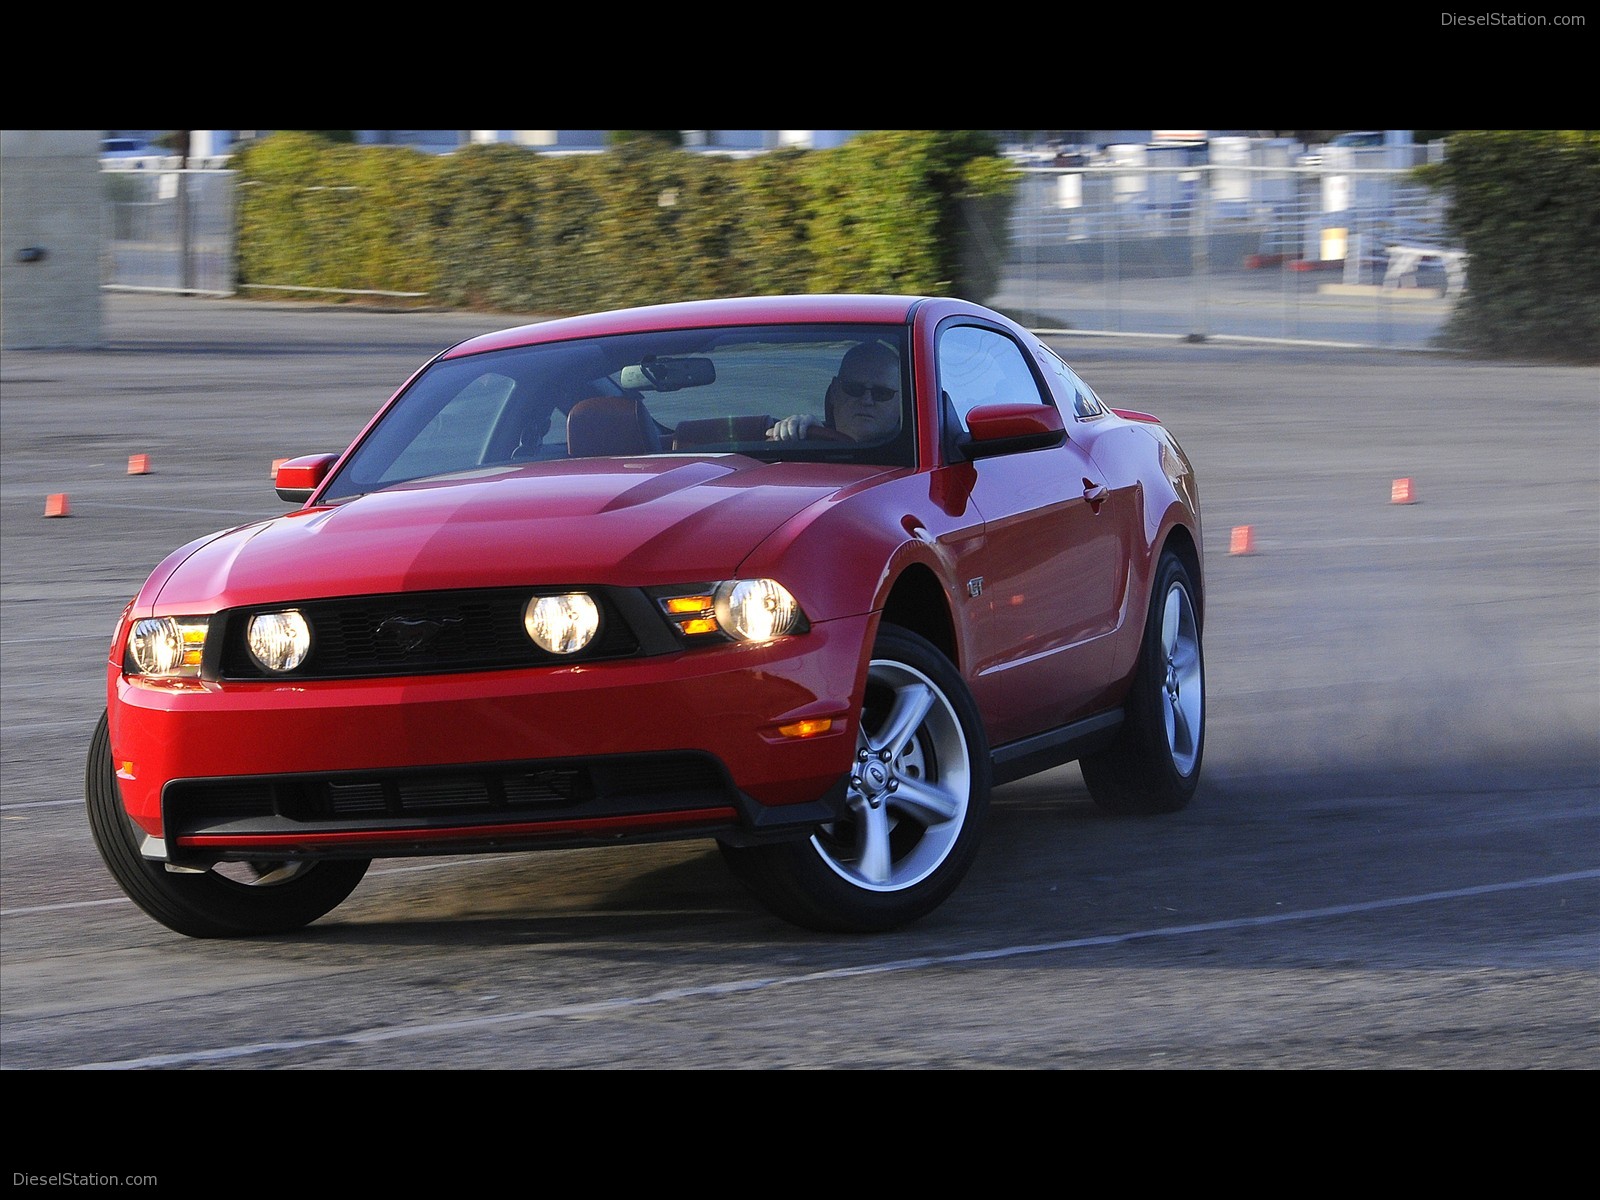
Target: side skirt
1067,743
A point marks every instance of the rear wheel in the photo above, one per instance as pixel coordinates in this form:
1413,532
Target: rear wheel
232,899
918,798
1154,765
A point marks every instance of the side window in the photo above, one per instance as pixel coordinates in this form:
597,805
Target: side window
982,366
456,437
1078,394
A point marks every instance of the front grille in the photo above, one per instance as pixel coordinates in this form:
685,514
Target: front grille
454,793
421,633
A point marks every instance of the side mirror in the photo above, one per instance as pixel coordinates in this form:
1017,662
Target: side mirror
297,478
1010,429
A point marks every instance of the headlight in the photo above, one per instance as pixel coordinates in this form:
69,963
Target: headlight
168,646
756,610
745,610
561,624
278,641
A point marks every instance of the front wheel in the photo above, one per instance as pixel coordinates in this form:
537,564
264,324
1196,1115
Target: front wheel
231,899
1154,764
918,799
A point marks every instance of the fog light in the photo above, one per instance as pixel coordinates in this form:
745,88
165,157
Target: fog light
562,624
278,641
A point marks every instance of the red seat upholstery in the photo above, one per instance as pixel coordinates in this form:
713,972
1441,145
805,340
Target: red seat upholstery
606,425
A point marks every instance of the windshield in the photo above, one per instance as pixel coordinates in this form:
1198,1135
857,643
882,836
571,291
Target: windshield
837,393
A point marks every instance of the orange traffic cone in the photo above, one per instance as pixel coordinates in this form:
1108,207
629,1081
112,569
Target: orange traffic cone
138,464
1244,540
1402,492
55,505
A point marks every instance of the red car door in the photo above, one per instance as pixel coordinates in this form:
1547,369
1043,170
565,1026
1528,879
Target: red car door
1052,563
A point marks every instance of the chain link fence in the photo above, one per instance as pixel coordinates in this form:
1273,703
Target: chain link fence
169,230
1341,255
1203,251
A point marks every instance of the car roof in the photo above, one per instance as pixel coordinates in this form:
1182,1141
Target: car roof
691,314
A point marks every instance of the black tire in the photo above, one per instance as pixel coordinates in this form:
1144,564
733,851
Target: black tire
921,799
1154,764
268,897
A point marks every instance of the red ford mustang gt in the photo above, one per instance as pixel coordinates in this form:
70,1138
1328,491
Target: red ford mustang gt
806,575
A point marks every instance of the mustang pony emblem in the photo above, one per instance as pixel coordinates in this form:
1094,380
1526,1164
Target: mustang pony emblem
412,634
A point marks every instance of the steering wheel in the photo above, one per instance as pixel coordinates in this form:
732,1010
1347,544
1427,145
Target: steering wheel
814,431
826,433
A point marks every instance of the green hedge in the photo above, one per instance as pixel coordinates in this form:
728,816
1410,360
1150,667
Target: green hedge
497,227
313,213
1525,205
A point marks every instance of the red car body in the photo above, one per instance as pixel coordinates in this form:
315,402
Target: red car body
1019,538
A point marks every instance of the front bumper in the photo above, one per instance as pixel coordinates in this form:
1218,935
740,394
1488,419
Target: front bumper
678,745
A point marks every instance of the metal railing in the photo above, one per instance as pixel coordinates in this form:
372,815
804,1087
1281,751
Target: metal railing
1207,251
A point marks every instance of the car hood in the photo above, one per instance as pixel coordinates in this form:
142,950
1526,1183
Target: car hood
634,521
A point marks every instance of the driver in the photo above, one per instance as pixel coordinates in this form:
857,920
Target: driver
864,399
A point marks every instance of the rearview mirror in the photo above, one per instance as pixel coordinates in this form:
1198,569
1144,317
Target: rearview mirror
668,374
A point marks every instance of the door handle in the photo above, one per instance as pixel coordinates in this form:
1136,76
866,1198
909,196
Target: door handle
1095,493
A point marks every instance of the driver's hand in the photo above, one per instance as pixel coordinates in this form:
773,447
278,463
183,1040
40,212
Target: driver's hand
792,429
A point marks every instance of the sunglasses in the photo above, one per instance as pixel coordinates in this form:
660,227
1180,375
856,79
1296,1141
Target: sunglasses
880,394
